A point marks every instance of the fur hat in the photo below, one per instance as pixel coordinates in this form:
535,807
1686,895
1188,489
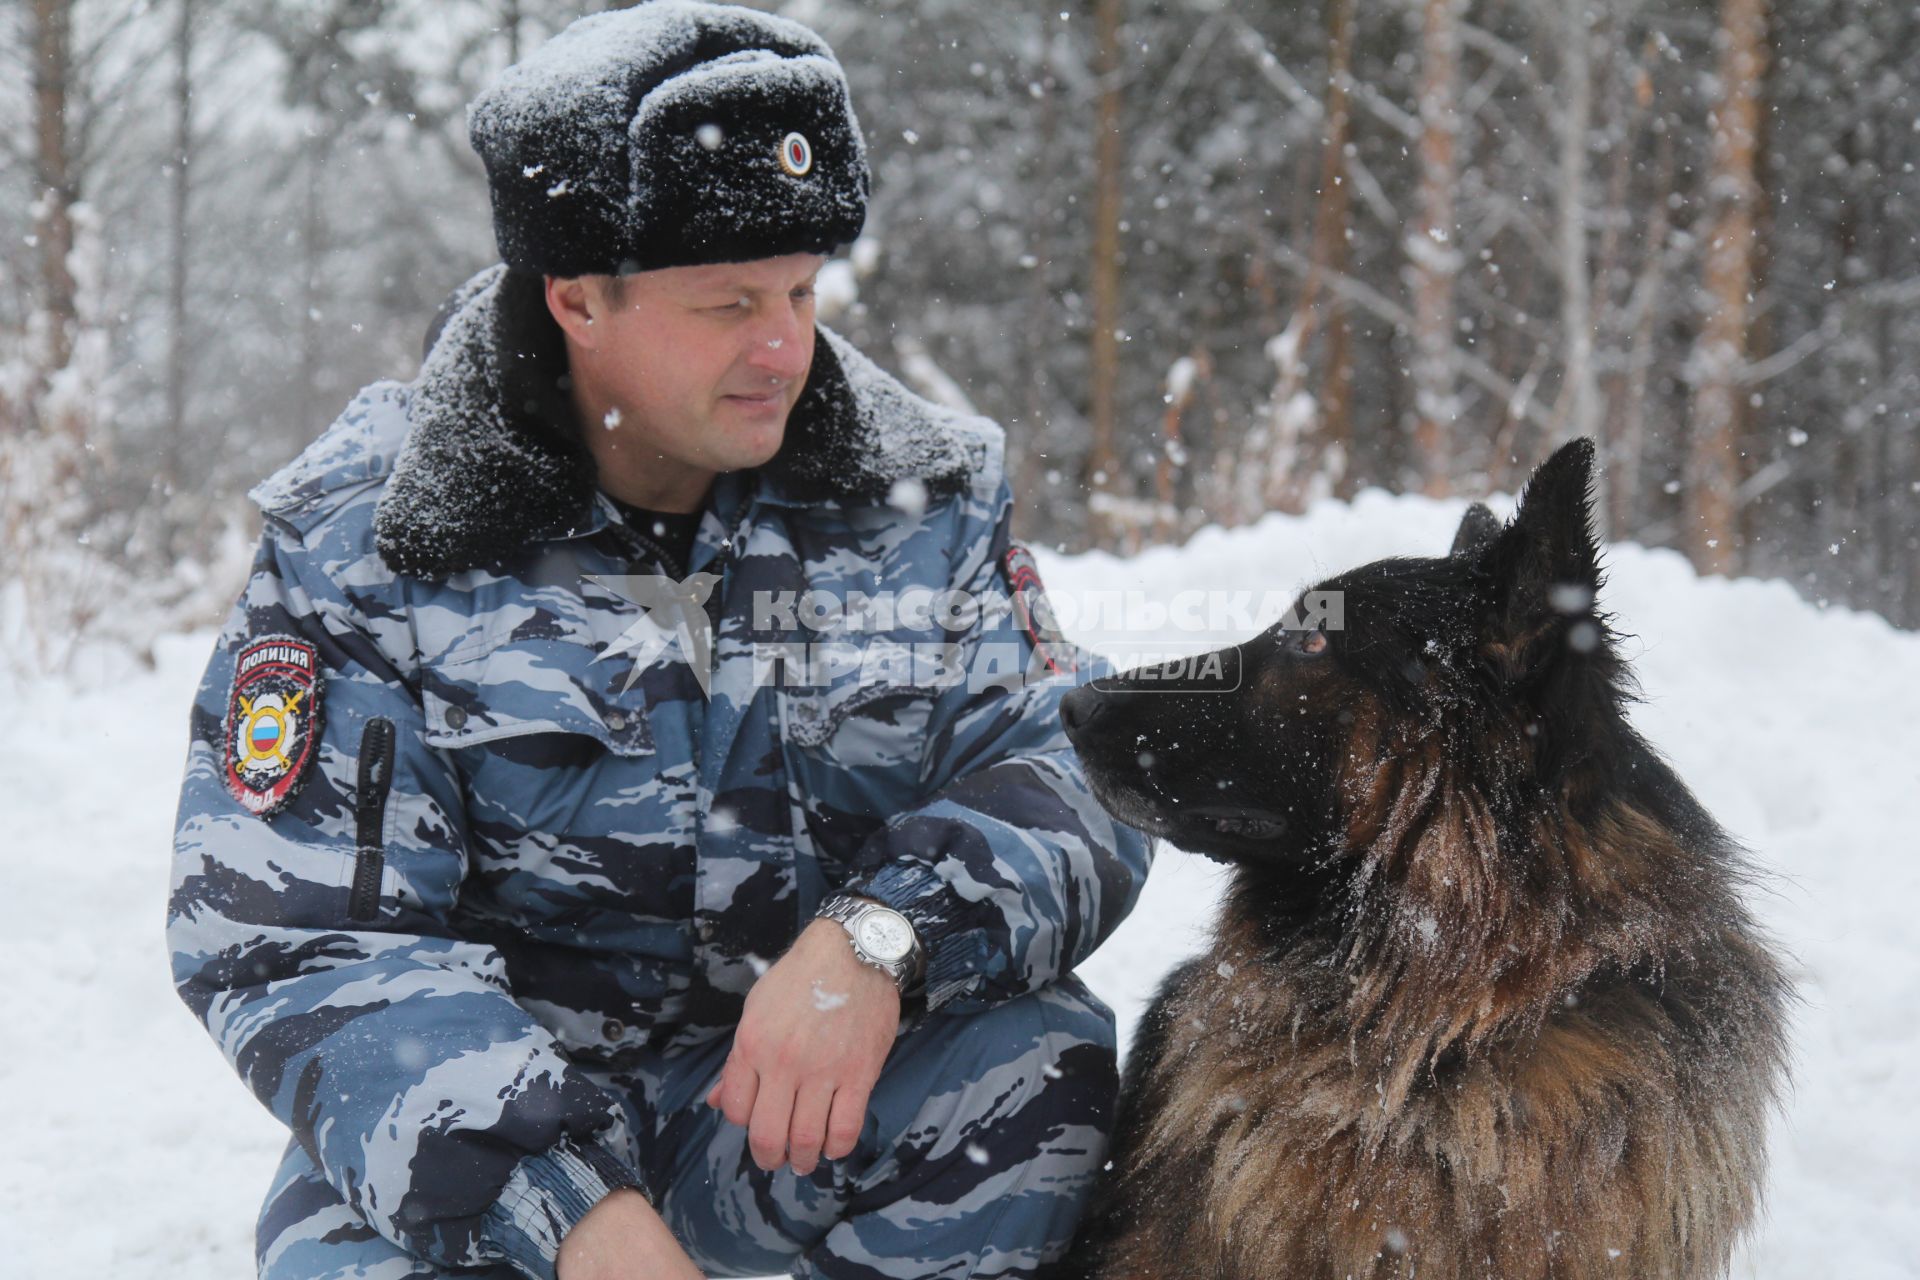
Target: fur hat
670,134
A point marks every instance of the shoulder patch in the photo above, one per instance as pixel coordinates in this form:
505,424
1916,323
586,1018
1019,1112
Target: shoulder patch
273,721
1032,610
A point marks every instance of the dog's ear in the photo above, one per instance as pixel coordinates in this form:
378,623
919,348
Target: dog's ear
1478,527
1543,569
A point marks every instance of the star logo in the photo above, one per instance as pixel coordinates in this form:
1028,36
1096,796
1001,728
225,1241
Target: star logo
670,612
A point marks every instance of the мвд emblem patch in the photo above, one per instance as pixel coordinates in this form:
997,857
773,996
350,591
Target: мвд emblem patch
1032,610
273,721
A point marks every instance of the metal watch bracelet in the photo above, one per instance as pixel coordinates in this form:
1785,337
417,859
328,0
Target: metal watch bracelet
879,935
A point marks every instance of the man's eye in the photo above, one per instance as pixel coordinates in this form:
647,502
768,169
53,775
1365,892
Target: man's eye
740,303
803,293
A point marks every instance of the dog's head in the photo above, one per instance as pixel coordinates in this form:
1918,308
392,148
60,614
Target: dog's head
1268,751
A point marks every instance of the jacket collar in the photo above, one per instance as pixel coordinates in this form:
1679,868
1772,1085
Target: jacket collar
492,464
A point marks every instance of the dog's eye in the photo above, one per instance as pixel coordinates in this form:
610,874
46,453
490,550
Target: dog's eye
1313,642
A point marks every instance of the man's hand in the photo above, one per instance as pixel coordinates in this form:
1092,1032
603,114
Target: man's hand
815,1033
622,1238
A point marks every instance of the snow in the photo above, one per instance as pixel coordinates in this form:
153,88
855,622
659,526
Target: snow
926,376
133,1151
1180,376
581,75
908,496
835,290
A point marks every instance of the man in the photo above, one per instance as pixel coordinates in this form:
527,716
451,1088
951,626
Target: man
516,872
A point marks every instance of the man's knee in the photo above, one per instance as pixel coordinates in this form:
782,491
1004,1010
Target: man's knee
1077,1053
307,1232
1039,1070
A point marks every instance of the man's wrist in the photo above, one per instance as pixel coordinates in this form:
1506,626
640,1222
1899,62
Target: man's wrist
880,936
548,1194
609,1224
948,927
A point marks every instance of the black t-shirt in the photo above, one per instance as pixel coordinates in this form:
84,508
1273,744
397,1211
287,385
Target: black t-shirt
669,532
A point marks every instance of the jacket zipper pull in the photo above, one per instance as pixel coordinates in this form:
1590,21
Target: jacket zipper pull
370,817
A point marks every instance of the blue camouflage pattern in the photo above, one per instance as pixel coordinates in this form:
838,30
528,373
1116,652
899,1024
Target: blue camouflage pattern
982,1142
521,891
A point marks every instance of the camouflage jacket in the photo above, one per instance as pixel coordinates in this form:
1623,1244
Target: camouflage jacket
444,846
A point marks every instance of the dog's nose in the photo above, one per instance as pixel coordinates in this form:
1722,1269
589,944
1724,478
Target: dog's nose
1078,709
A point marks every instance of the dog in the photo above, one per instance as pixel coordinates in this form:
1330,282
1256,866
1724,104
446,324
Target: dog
1483,998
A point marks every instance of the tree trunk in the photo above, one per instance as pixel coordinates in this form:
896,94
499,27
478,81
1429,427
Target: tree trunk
181,246
1331,226
1580,398
1627,329
1027,459
1103,465
313,251
1309,444
55,178
1433,247
1630,435
1710,526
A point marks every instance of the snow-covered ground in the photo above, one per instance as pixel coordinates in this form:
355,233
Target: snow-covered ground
128,1149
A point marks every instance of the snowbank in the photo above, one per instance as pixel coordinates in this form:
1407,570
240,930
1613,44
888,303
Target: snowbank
132,1151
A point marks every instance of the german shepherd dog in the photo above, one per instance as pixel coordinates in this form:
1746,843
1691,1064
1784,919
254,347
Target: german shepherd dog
1483,999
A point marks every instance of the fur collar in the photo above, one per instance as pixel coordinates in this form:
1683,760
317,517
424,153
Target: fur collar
491,462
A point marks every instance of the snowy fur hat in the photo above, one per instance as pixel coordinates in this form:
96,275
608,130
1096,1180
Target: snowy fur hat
671,134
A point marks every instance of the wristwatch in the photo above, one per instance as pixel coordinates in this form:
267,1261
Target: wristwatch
881,936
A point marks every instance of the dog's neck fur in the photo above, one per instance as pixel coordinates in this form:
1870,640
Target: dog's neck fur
1449,921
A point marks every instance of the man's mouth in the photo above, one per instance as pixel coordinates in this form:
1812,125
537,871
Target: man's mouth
759,399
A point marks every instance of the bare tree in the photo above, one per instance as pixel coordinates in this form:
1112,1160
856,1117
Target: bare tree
179,334
56,178
1103,468
1713,453
1433,246
1580,397
1314,447
1333,233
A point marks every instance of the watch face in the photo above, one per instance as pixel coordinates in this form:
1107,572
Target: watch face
886,935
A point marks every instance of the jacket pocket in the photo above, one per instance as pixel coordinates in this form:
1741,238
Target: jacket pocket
370,818
874,726
529,688
870,706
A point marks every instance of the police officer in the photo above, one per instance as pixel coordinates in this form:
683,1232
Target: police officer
627,830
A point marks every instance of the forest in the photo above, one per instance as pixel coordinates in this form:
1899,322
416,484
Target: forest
1203,260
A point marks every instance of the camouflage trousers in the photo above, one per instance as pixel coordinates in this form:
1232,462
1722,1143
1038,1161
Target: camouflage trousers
982,1140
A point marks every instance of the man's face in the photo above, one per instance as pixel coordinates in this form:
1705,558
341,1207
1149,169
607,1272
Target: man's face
702,364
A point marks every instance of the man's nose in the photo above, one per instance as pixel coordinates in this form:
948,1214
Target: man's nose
782,346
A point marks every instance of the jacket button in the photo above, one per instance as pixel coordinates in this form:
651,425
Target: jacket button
456,718
616,722
613,1028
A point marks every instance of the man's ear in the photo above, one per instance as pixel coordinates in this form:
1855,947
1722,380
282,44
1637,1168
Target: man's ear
1543,569
575,304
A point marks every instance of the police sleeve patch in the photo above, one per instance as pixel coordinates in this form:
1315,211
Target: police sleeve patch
1035,614
273,721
